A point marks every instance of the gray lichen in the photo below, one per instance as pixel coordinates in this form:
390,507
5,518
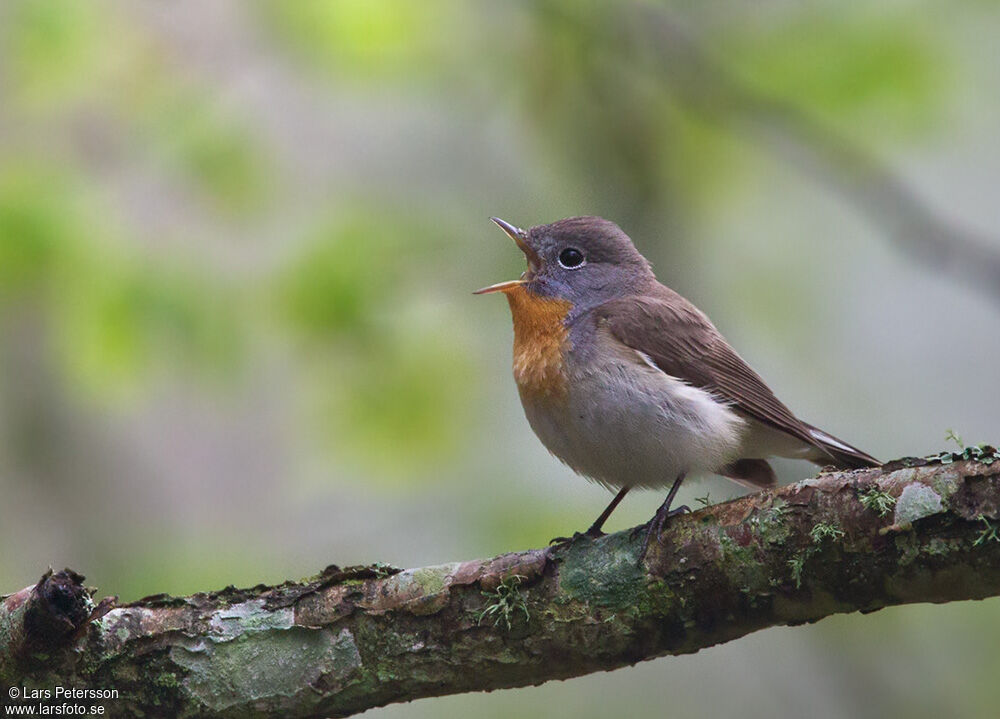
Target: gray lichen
917,501
238,672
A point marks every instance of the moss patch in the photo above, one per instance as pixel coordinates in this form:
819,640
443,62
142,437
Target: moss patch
610,577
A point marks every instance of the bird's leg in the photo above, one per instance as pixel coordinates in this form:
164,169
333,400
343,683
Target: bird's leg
595,528
655,525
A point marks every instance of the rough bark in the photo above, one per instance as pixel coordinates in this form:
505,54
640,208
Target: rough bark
348,640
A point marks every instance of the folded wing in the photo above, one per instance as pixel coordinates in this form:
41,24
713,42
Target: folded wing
684,343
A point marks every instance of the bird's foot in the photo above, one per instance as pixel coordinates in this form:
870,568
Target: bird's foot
644,528
654,527
592,533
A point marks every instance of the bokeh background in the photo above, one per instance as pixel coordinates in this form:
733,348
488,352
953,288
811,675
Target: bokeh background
238,240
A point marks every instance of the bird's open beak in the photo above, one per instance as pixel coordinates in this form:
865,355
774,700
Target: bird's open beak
520,238
499,287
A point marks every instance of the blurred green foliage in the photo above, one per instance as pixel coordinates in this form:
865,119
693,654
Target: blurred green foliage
53,51
379,377
113,316
393,391
624,105
367,41
345,269
39,229
125,320
187,214
354,297
406,408
849,67
206,145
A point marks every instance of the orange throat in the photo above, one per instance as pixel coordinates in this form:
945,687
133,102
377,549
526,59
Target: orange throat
540,342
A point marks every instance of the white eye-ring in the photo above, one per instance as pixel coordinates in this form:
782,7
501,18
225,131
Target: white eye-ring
571,258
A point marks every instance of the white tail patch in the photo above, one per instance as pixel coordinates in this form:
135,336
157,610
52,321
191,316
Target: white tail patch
827,439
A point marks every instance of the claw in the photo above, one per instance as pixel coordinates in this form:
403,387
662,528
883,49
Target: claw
654,527
589,534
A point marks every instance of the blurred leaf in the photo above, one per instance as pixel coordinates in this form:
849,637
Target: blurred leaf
400,411
355,272
53,52
368,39
122,320
607,121
703,160
849,67
333,287
115,317
37,227
53,48
196,137
386,382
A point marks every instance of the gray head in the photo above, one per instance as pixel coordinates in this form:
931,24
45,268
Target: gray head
585,260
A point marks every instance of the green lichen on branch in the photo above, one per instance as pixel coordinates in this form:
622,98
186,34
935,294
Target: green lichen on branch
989,533
822,531
798,563
507,602
983,453
876,499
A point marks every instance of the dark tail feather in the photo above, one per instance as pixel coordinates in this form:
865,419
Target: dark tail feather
844,456
752,473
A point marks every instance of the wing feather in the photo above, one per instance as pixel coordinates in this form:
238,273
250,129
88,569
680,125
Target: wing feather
684,343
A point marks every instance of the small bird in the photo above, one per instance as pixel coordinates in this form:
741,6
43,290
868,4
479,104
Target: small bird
630,384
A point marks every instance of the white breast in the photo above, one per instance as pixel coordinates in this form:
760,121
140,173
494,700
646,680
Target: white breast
625,423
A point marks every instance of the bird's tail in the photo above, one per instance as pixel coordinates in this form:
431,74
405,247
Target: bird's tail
844,455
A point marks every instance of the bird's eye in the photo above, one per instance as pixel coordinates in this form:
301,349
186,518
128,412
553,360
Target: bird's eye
571,258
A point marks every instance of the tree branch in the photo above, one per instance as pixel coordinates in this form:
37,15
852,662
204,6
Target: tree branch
352,639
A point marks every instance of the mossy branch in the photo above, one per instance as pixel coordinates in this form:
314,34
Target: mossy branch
348,640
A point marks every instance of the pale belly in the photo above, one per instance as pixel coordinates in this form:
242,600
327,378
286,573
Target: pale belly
625,424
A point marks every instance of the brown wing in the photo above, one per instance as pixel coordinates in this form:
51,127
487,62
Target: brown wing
682,342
